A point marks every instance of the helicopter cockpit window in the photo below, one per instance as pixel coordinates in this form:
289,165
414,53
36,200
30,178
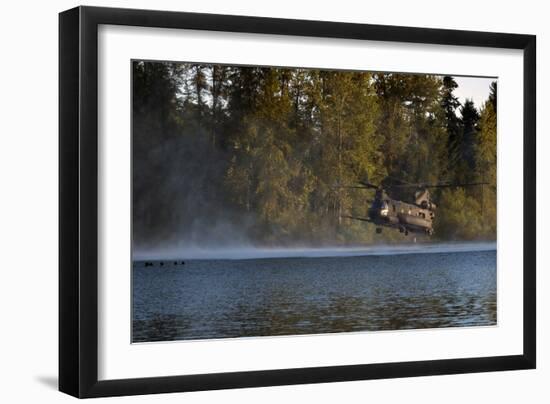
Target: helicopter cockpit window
384,209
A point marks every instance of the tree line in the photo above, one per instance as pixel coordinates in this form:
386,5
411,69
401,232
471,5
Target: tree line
265,150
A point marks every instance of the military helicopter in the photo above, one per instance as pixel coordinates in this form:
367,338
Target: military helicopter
416,216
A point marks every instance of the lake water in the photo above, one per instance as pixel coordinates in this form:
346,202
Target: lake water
224,298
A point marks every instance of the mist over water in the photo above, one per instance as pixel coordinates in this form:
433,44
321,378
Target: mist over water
250,252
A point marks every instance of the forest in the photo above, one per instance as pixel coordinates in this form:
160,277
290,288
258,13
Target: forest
225,154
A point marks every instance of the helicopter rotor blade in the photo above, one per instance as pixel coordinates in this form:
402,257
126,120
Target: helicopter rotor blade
368,185
441,185
469,184
363,219
355,187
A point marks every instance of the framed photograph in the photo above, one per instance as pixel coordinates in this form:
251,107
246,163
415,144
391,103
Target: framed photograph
251,201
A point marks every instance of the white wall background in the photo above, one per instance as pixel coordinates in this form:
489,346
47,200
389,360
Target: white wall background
28,200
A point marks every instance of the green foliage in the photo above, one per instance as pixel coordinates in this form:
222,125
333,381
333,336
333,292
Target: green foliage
451,122
457,216
486,152
471,214
269,148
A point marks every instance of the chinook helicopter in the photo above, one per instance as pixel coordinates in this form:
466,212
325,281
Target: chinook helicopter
416,216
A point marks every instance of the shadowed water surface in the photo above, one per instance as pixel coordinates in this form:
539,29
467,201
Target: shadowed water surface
289,296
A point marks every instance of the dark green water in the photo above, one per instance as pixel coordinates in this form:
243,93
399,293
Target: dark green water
290,296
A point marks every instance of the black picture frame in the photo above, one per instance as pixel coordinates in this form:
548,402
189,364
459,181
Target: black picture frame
78,201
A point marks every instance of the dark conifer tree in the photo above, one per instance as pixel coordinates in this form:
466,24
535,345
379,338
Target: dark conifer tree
493,95
470,129
450,105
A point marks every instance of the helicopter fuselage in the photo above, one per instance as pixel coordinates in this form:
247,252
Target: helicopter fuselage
406,217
